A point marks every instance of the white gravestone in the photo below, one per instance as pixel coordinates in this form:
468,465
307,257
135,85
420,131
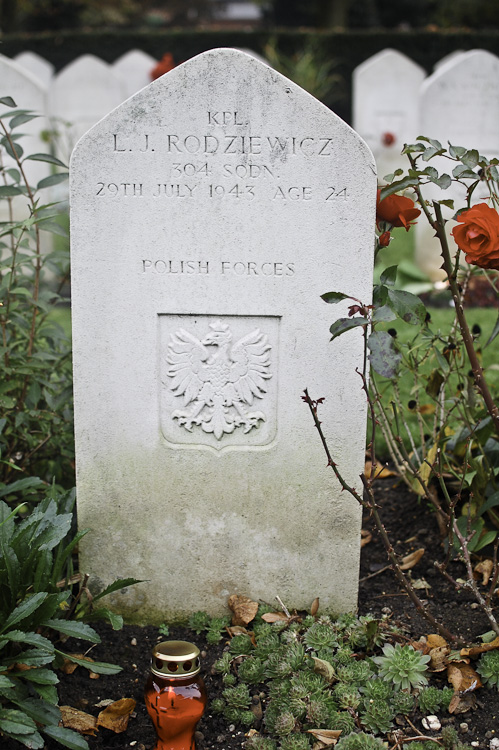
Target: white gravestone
460,104
385,106
209,213
134,69
80,95
37,65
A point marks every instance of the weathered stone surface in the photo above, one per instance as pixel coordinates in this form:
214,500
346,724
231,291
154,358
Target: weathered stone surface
209,213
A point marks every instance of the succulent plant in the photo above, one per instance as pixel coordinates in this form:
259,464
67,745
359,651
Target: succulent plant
378,717
213,636
238,696
319,710
199,622
222,665
357,672
341,720
267,644
321,635
306,684
280,690
240,645
295,741
488,668
343,655
217,705
430,700
284,723
229,680
257,742
347,695
247,718
402,703
377,690
403,666
251,670
359,741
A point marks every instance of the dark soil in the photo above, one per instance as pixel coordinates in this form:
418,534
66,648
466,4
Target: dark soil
411,526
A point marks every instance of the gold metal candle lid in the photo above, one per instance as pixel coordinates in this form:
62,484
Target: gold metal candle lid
175,659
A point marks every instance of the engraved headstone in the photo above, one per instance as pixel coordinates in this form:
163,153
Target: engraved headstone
471,77
134,69
209,213
81,94
385,106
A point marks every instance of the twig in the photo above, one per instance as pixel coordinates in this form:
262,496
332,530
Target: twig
284,608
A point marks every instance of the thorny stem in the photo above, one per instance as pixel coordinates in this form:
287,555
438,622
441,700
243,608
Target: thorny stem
370,505
478,375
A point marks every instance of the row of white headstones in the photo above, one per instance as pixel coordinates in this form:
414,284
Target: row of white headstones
393,102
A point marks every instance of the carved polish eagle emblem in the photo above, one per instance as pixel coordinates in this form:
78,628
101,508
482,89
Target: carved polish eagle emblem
217,379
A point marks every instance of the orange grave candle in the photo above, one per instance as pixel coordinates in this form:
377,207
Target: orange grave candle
175,695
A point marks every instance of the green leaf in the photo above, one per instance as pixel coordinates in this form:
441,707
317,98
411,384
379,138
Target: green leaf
389,276
21,485
31,658
436,144
47,158
494,333
471,158
32,639
403,184
13,149
456,151
6,683
53,179
53,227
384,314
41,711
100,667
462,171
12,720
8,101
6,191
21,119
66,737
117,585
488,538
24,610
74,629
429,152
407,306
39,676
444,181
48,693
345,324
384,357
103,613
332,297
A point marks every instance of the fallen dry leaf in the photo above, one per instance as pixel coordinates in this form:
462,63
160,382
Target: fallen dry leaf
78,720
381,473
409,561
484,568
477,650
116,715
244,609
365,537
326,736
463,677
460,704
435,641
314,607
439,658
236,630
324,668
274,617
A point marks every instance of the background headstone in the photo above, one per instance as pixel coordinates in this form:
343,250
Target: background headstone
81,94
134,68
459,104
37,65
385,106
209,213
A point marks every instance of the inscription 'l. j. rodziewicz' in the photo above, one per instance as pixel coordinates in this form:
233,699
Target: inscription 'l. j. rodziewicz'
218,380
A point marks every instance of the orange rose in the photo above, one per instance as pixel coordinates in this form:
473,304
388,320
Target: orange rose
396,210
477,235
164,66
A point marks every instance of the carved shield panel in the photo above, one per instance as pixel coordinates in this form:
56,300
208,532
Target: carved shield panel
218,380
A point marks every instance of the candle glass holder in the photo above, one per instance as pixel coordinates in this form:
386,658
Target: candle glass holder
175,695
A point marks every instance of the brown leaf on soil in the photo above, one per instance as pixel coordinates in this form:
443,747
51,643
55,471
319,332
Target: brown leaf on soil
94,676
435,641
484,568
439,658
460,704
324,668
115,716
477,650
365,537
463,678
314,607
409,561
244,609
381,472
236,630
325,736
78,720
274,617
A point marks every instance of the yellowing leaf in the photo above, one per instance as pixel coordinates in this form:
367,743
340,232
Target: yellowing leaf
382,472
435,641
274,617
314,608
463,677
326,736
439,658
476,650
365,537
324,668
484,568
116,715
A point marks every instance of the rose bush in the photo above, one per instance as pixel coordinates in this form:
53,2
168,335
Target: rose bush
477,235
397,210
